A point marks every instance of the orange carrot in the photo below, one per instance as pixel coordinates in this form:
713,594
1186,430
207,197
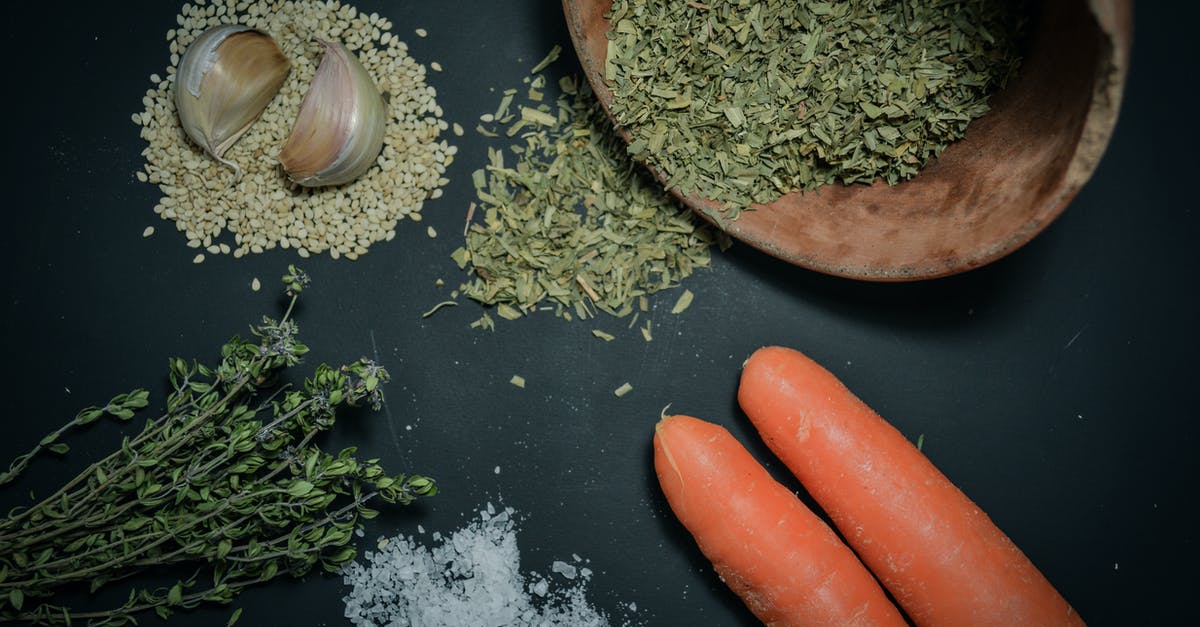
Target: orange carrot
941,557
786,564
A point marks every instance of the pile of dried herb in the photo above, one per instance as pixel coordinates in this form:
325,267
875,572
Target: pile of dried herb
742,101
569,222
228,484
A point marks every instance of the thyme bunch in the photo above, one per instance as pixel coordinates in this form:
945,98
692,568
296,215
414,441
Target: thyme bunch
229,480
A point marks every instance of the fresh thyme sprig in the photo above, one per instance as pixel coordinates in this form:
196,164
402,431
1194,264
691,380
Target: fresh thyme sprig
229,479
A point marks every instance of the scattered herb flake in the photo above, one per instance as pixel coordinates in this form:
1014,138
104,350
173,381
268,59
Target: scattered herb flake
461,257
484,323
435,308
506,311
551,57
607,337
685,301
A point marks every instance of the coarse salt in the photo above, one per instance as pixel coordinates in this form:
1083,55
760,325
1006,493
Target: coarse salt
471,577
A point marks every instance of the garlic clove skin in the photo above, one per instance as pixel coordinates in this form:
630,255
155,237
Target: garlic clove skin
225,80
339,130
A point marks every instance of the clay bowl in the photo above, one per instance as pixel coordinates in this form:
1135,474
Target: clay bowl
987,195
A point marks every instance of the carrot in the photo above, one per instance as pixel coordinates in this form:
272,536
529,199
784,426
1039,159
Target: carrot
940,556
787,565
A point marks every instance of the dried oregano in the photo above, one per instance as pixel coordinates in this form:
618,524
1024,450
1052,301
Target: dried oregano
569,222
741,101
228,482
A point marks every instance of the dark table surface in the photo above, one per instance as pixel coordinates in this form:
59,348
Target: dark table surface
1054,386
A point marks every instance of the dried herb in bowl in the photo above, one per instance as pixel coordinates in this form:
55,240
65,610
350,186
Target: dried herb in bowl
229,481
743,101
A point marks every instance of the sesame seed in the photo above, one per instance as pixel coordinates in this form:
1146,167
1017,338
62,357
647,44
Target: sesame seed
148,232
208,204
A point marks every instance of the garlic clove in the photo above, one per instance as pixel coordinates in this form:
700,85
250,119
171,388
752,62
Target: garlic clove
226,78
338,132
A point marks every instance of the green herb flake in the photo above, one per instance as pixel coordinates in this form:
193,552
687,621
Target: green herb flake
537,117
506,311
607,337
685,301
461,257
550,57
518,381
437,307
484,323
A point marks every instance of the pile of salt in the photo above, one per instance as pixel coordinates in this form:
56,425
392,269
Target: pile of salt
472,577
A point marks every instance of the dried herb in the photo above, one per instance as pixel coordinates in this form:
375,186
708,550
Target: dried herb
742,101
607,337
228,481
570,225
685,301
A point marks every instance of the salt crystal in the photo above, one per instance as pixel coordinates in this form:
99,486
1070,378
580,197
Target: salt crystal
497,470
564,569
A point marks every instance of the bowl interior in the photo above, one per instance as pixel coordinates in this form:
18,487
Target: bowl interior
985,196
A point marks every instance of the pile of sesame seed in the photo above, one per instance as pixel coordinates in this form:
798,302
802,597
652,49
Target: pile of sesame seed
224,213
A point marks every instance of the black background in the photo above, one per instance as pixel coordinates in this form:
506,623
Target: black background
1055,387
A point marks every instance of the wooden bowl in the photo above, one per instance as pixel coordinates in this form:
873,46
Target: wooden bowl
987,195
